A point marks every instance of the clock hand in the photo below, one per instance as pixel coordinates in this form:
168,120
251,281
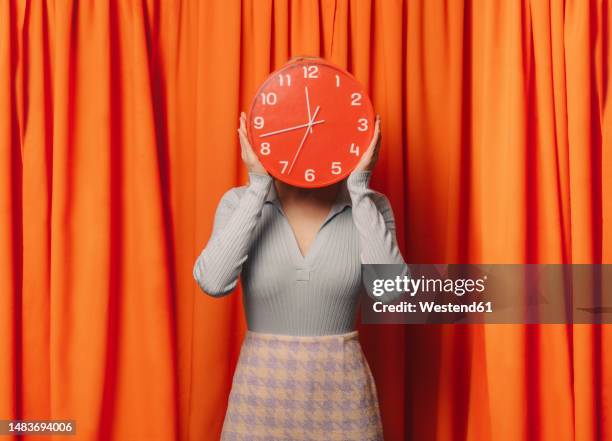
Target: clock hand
308,106
276,132
304,138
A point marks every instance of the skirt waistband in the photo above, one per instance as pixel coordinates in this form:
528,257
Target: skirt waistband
353,335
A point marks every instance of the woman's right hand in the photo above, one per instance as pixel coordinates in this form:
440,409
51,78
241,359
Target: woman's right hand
249,157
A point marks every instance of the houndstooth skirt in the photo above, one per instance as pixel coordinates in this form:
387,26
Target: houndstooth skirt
288,388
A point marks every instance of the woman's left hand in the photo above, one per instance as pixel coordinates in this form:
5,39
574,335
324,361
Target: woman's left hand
369,158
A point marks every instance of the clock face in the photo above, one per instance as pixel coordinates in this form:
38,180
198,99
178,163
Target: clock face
310,123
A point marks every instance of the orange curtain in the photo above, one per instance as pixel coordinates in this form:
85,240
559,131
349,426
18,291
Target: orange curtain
117,139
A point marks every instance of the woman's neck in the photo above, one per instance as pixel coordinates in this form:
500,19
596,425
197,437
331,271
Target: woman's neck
323,195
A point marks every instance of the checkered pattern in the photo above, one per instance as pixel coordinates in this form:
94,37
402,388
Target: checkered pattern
289,388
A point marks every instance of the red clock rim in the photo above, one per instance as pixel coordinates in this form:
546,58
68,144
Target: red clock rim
270,77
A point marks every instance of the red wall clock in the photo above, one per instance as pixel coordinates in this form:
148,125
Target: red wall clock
310,123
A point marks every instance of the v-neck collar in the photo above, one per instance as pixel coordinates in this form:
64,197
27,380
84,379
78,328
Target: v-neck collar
343,200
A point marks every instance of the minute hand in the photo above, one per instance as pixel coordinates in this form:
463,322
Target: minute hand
309,125
276,132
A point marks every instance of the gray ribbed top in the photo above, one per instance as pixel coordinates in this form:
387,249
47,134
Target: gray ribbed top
285,292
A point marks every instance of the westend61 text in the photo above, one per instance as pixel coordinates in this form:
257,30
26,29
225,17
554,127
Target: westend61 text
433,307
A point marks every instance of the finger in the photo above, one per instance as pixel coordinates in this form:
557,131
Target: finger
247,145
375,137
242,133
367,155
247,153
364,161
242,153
377,125
377,134
250,154
375,155
243,136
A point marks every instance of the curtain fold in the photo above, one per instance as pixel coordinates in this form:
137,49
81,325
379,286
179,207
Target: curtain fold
118,137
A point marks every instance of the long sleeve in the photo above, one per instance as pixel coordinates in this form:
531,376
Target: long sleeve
373,217
217,268
375,223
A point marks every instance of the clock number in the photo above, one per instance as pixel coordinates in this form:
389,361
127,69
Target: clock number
265,148
284,79
309,175
336,168
354,149
268,98
285,164
337,80
363,124
356,99
311,71
258,122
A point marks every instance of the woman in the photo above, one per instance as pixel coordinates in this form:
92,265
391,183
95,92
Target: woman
301,373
